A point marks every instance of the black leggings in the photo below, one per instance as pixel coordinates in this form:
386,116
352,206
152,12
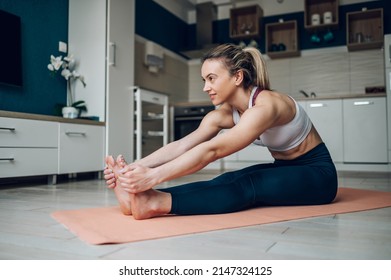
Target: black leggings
307,180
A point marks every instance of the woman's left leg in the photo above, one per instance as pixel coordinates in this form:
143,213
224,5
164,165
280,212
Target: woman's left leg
229,192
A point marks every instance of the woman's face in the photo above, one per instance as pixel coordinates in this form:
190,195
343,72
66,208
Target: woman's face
217,81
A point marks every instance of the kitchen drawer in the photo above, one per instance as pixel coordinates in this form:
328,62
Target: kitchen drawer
28,133
81,148
19,162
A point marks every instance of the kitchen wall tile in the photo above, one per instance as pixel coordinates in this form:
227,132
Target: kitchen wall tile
366,69
328,74
279,74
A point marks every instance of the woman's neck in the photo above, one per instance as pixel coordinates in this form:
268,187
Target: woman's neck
241,99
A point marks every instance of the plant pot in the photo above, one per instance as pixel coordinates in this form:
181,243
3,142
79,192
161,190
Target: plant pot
70,112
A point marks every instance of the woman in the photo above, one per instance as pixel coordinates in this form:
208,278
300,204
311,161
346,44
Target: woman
248,111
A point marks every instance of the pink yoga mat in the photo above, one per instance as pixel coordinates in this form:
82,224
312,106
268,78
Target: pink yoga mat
109,225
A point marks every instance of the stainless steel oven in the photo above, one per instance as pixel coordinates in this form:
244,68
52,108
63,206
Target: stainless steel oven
187,118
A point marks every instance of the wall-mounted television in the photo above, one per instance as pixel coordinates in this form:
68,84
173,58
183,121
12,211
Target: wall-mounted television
10,49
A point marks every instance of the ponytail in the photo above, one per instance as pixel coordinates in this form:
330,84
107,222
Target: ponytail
262,77
248,60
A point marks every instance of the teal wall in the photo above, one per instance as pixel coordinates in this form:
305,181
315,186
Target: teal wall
44,24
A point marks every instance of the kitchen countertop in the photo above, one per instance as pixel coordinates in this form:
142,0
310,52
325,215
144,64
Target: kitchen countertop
347,96
300,98
18,115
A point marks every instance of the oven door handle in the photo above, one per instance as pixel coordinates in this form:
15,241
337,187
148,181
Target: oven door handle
197,118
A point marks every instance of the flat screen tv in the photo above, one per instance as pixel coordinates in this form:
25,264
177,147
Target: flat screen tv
10,49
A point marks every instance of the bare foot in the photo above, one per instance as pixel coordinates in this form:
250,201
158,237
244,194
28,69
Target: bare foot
123,197
150,203
144,205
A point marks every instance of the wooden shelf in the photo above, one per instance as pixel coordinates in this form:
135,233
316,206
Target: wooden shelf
364,30
282,39
319,7
245,22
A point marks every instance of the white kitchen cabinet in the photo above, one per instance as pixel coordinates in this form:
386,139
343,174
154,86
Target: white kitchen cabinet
81,148
27,147
32,145
326,116
365,130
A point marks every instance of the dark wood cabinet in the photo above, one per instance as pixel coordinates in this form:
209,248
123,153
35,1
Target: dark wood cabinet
364,30
326,11
282,39
245,22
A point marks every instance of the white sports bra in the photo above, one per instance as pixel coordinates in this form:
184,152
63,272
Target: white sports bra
284,137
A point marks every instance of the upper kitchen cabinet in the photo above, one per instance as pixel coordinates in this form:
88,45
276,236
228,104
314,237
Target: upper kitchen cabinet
245,22
320,14
364,29
282,39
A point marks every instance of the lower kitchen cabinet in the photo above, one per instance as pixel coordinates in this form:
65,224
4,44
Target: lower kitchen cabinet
27,147
32,145
365,130
81,148
326,115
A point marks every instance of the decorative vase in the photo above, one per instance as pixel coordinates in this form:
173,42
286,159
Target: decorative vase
70,112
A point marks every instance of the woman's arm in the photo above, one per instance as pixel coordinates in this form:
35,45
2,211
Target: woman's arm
137,178
211,124
209,127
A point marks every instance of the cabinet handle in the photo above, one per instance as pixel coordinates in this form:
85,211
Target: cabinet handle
7,128
7,159
75,133
316,105
155,133
389,53
113,51
363,103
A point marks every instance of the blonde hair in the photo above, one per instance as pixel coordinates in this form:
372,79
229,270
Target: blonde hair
248,60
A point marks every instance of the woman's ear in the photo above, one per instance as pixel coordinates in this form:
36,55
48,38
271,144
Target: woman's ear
239,77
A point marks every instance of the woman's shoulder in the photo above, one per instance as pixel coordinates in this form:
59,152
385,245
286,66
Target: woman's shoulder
221,116
273,97
281,107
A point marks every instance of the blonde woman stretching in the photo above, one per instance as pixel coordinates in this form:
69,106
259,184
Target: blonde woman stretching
250,112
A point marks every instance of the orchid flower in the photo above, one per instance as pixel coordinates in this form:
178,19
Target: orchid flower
66,74
55,63
67,64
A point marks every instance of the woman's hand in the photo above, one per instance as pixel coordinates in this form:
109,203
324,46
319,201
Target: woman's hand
109,172
135,178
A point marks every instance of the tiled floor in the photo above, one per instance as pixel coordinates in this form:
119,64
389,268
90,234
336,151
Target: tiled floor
28,232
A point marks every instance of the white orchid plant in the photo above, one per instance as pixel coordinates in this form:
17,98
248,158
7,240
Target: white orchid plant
67,65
